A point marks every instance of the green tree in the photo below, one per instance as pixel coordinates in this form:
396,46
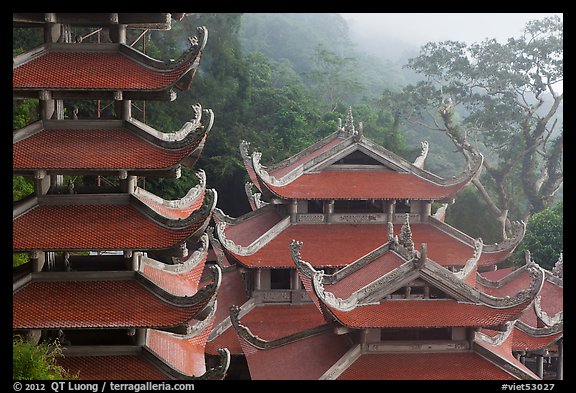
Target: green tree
32,361
503,100
544,237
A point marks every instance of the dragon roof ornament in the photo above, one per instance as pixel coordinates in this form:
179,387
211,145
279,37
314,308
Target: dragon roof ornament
254,198
419,162
472,262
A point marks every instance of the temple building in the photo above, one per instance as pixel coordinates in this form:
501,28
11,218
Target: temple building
117,274
343,271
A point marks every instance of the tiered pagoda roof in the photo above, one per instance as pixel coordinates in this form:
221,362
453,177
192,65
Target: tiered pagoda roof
259,239
328,170
109,146
105,70
156,318
137,221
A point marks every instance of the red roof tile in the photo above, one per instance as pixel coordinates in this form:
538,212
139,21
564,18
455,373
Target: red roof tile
93,304
93,227
184,354
178,283
364,276
525,342
363,185
425,313
423,366
88,70
111,367
109,149
341,244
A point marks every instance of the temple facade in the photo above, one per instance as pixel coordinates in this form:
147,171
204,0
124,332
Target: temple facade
346,269
116,273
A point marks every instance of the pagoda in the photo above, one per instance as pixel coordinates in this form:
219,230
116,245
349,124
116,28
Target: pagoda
117,274
342,271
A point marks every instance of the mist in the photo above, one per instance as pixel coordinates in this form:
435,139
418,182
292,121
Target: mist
397,36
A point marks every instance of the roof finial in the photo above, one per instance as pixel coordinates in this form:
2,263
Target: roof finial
406,235
349,127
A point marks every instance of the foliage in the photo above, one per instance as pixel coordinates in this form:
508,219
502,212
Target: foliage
502,100
544,237
37,362
21,187
19,259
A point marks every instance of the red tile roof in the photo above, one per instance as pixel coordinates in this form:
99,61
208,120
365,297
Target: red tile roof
111,367
109,149
425,313
364,276
93,227
94,304
73,69
288,361
526,342
331,245
182,353
423,366
363,185
178,283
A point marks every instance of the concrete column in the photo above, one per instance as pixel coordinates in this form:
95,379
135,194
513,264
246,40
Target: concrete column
293,209
391,210
140,337
540,366
47,105
426,211
41,183
560,366
257,279
38,258
52,32
128,184
118,34
295,284
125,109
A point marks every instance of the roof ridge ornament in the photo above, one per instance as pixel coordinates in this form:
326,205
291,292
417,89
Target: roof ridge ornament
349,125
472,262
405,239
419,162
558,269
